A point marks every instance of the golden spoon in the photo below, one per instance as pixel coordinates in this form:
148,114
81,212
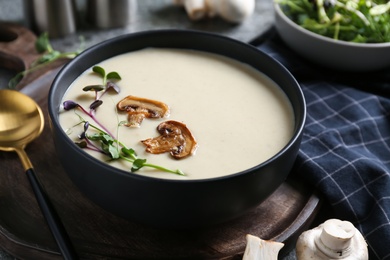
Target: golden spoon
21,121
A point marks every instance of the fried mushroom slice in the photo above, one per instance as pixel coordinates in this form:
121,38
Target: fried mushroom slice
138,108
174,138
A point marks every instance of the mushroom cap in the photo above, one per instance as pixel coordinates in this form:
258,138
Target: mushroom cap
174,138
139,108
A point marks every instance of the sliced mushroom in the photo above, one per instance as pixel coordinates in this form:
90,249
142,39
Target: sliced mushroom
174,138
139,108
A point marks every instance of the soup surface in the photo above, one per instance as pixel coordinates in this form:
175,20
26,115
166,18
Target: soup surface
238,116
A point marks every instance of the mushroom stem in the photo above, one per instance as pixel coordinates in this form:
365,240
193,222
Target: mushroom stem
139,108
259,249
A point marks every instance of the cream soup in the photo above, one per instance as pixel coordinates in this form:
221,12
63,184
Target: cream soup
238,116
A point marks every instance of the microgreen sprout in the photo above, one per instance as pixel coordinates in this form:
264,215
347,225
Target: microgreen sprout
48,55
101,140
109,82
70,105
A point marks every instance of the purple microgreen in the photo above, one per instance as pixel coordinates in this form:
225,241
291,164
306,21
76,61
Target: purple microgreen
86,126
69,104
95,104
110,85
113,86
82,136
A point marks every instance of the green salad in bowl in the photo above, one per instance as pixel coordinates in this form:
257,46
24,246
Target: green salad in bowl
361,21
349,35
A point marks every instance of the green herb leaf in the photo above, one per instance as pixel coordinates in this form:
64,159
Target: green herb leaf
114,75
15,80
42,44
129,152
138,164
93,88
107,138
47,57
99,70
113,150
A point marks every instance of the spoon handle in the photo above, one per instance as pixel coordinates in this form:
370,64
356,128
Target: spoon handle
52,218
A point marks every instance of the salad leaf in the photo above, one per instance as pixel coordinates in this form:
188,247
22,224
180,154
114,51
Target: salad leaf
362,21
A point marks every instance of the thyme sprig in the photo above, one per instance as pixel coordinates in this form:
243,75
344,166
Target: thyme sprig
102,140
48,56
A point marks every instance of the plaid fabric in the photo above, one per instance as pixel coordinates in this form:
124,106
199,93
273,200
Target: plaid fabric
345,151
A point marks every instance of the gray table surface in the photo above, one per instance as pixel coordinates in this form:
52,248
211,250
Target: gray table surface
148,15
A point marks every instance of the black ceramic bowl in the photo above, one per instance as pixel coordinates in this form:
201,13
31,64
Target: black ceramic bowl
175,203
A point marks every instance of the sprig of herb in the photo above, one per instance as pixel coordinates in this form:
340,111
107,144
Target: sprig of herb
104,143
70,105
102,140
48,55
107,85
361,21
108,82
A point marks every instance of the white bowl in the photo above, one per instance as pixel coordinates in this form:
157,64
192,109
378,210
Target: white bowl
340,55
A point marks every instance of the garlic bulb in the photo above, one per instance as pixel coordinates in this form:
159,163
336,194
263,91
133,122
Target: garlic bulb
234,11
334,239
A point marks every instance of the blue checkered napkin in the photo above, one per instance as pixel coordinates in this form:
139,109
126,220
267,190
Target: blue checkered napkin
345,151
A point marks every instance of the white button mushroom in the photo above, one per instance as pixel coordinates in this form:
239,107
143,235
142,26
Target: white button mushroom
259,249
334,239
234,11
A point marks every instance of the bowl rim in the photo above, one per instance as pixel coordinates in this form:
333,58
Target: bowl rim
279,12
54,118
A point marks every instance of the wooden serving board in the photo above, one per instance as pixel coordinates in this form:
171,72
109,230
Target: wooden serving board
98,234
